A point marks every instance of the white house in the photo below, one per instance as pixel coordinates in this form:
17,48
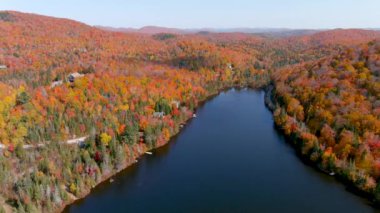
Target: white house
141,134
3,67
158,114
230,66
56,83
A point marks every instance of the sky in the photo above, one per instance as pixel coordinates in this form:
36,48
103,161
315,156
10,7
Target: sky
296,14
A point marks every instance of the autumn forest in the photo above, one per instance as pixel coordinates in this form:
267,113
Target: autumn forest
79,103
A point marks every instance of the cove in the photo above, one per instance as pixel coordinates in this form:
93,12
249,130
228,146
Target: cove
230,158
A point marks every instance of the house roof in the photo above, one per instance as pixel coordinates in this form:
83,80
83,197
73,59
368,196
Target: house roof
75,74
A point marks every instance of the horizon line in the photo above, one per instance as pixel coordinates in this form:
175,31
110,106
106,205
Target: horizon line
194,28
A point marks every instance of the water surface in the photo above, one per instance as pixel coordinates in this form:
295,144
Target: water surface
229,159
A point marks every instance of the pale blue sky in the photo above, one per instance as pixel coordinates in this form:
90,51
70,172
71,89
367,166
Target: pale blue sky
209,13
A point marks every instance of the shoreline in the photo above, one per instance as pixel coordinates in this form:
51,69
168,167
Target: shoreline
132,161
351,188
129,162
337,175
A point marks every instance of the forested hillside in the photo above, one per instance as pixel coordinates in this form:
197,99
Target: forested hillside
127,93
331,109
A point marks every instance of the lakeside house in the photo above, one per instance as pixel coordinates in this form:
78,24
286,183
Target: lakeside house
141,136
71,78
56,84
3,67
158,114
230,66
176,103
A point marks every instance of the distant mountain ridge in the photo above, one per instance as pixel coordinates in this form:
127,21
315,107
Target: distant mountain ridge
157,29
311,35
270,32
145,30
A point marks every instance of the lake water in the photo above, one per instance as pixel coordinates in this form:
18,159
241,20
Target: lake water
228,159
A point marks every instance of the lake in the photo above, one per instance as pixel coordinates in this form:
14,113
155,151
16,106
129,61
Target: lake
230,158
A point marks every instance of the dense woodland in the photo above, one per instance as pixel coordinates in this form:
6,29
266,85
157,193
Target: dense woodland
132,92
331,109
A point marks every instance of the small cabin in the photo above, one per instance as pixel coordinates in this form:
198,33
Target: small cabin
230,66
3,67
141,134
56,84
158,114
176,104
71,78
